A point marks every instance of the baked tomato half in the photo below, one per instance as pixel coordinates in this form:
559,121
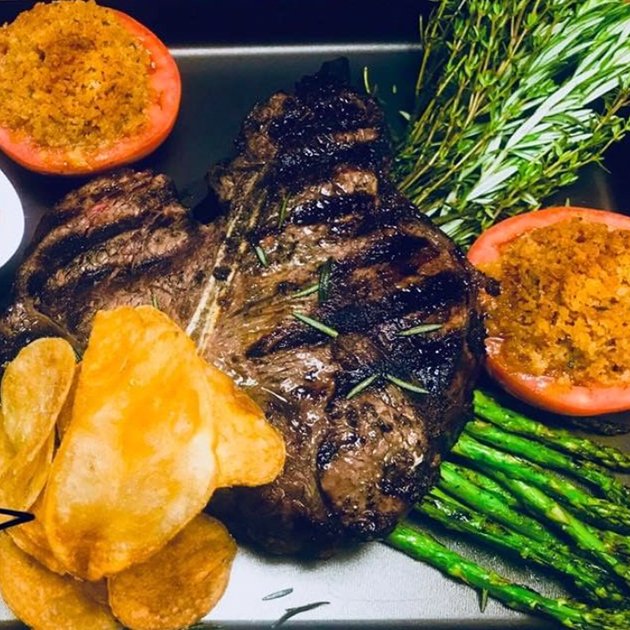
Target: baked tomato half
547,392
165,90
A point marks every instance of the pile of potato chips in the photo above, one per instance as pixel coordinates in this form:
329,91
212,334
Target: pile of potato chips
146,431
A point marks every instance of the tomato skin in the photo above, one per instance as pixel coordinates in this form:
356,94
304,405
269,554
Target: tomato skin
544,391
165,86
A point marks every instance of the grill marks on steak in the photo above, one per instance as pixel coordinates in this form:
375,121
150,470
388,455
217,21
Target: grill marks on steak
310,184
354,466
123,239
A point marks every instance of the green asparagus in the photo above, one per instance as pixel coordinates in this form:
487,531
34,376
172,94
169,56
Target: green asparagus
586,472
591,580
489,409
455,484
423,547
585,537
487,483
608,515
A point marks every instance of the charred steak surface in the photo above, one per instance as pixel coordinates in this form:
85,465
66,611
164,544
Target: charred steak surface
308,200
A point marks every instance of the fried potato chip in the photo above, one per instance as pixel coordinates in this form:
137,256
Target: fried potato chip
65,415
23,481
31,538
33,390
44,600
180,584
137,462
250,452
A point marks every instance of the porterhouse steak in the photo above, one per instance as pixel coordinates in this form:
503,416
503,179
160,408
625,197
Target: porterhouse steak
309,204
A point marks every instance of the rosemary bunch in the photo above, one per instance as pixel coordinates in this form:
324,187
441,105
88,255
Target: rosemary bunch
512,98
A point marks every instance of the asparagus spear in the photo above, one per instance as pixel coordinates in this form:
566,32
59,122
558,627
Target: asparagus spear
487,483
421,546
587,472
591,580
609,515
586,537
455,484
489,409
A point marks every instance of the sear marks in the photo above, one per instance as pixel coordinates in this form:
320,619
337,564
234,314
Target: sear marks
312,176
307,200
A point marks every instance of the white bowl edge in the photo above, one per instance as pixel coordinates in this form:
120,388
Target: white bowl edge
11,220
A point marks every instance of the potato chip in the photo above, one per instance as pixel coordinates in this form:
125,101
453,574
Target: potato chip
23,481
44,600
250,452
65,415
31,538
137,462
33,389
180,584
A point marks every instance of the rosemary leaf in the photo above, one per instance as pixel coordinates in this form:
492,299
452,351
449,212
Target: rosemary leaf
416,389
278,594
364,384
324,279
314,288
292,612
282,215
315,323
418,330
260,252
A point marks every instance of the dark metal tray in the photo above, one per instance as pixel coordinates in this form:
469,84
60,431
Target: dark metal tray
231,55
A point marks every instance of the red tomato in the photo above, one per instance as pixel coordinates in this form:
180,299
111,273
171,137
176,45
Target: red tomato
544,391
165,87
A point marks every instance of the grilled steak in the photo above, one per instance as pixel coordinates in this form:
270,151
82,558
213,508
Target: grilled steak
302,292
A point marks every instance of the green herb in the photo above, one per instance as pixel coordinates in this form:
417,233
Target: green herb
314,288
282,215
324,280
315,323
364,384
406,385
278,594
154,300
418,330
260,252
512,99
291,612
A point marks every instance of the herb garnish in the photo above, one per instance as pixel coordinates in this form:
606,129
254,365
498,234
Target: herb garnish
405,384
483,599
364,384
512,99
324,279
154,301
418,330
315,323
278,594
283,212
260,252
291,612
314,288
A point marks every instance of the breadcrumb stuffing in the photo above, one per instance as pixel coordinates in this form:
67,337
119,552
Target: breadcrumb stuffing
564,307
72,76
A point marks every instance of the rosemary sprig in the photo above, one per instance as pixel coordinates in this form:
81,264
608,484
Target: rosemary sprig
364,384
324,279
512,99
416,389
315,323
418,330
